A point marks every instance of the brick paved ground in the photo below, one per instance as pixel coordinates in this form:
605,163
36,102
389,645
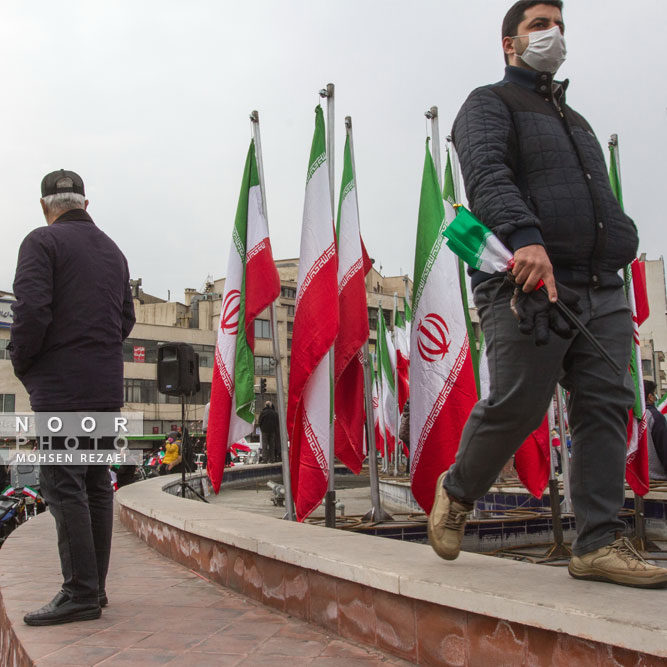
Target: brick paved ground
159,613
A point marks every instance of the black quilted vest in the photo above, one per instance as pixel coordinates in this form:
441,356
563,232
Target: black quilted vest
534,172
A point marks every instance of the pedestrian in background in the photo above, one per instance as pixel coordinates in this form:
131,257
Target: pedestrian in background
656,426
269,425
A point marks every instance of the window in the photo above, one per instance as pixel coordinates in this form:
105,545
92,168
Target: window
288,292
140,391
206,355
4,353
7,402
262,329
290,311
264,366
290,327
647,368
136,350
289,343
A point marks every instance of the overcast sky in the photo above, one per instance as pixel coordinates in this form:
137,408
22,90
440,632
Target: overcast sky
149,102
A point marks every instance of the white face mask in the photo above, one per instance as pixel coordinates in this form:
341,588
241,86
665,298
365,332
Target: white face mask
545,51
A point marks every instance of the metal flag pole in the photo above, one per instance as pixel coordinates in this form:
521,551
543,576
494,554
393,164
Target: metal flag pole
385,461
558,549
397,414
330,498
376,513
566,505
284,444
432,115
456,169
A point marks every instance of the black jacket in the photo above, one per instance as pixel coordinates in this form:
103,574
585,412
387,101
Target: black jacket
268,420
535,174
72,312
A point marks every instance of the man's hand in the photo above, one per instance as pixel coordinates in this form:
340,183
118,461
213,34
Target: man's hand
537,315
531,264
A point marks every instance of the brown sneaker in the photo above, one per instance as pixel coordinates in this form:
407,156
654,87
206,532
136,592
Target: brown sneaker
618,563
446,522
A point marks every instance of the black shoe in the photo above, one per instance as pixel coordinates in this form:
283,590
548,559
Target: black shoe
63,610
104,600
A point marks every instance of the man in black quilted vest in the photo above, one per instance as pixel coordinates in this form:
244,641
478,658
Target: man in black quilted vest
535,174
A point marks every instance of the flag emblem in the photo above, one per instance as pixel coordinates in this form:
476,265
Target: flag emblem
432,341
229,322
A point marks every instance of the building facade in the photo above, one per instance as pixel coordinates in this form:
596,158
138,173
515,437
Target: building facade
195,321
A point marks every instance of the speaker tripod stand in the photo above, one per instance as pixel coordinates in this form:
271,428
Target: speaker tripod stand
185,443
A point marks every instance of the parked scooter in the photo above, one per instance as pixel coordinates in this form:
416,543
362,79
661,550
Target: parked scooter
17,508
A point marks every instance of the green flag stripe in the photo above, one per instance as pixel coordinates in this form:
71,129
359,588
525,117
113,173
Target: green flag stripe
384,362
244,369
318,149
347,184
431,217
408,310
449,194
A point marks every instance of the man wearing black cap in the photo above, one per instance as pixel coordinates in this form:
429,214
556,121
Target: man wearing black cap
72,312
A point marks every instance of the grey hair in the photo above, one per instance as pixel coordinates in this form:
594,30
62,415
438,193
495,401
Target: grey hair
64,201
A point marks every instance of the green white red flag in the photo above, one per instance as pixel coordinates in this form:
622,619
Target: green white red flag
252,284
353,332
9,491
636,460
386,361
378,415
402,359
442,388
476,244
309,407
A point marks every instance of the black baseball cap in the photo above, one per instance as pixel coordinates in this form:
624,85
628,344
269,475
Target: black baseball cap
54,183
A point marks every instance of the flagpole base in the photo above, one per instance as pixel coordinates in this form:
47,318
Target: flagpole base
330,509
373,516
558,551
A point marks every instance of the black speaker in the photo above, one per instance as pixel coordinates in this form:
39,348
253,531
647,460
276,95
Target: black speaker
177,369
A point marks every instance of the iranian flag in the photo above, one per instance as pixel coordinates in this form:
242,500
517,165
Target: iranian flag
449,195
408,313
402,359
636,460
443,388
353,333
378,415
476,244
252,284
386,360
309,408
9,491
29,491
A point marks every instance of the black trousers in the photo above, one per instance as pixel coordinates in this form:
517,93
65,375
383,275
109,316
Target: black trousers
80,498
269,446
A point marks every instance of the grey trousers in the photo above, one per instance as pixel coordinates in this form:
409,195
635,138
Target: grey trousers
522,382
